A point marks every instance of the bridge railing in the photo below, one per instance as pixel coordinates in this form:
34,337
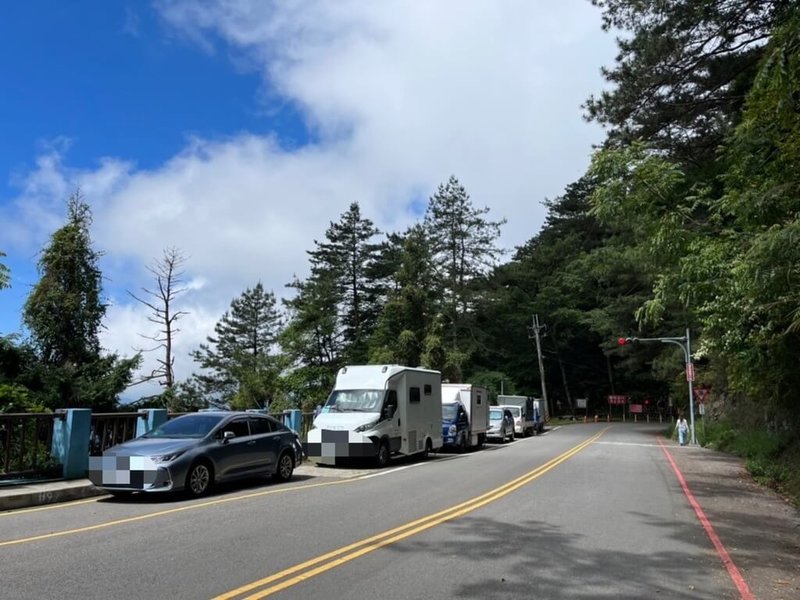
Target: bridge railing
30,450
109,429
26,446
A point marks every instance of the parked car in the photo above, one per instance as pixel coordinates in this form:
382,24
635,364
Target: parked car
517,415
501,424
195,451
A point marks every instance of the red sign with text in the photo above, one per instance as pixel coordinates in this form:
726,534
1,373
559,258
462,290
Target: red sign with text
617,399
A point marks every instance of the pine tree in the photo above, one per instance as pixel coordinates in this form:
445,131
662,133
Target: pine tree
351,256
239,362
64,314
65,310
402,328
463,245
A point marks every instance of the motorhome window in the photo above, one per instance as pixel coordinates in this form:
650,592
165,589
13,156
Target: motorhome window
428,389
413,394
390,406
355,401
449,411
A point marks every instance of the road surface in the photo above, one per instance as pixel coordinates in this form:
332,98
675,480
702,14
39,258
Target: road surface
585,511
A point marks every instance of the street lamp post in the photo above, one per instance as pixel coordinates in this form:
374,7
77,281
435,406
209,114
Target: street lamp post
685,342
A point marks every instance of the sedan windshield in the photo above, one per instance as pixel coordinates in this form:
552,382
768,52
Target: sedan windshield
355,401
187,426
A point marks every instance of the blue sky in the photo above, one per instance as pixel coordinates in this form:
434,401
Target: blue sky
111,77
237,130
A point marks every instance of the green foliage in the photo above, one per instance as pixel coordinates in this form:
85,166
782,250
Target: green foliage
400,334
65,367
240,365
682,71
306,387
64,310
5,274
463,248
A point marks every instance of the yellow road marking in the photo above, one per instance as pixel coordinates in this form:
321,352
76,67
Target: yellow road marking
365,546
161,513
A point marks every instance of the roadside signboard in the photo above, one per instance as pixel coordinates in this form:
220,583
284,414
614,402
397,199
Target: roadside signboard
635,408
617,399
689,371
580,402
701,394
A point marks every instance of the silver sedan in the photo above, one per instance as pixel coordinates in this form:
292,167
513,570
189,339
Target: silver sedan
195,451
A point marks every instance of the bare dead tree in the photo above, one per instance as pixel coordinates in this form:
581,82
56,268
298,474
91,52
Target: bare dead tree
168,275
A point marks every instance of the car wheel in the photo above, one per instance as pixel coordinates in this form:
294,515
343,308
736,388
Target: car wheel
285,467
462,444
512,436
199,479
382,459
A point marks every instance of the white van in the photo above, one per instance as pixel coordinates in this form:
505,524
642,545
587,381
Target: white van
377,411
475,401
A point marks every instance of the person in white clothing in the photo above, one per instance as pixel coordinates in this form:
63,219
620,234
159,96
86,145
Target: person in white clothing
683,429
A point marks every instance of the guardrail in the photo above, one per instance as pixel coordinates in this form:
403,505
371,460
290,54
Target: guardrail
306,420
108,429
30,449
26,446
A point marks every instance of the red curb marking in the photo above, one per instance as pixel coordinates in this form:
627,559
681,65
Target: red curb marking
736,576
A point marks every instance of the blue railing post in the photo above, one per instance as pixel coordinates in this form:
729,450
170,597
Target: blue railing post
153,418
293,419
70,444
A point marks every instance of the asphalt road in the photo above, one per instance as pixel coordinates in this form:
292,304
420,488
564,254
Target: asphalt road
585,511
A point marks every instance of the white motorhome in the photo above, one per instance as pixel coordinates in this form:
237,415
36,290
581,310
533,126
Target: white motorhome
475,401
377,411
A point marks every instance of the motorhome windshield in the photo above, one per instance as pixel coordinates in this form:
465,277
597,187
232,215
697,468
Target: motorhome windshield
449,411
355,401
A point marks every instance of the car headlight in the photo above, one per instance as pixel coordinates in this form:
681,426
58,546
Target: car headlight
163,458
452,430
365,427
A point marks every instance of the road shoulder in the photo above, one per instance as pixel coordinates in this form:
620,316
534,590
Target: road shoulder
760,530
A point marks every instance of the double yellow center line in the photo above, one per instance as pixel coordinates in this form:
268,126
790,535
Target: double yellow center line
306,570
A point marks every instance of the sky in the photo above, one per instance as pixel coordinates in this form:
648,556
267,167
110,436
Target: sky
236,131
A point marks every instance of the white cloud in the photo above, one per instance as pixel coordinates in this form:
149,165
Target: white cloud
399,95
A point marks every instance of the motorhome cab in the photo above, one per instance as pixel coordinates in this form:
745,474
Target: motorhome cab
377,411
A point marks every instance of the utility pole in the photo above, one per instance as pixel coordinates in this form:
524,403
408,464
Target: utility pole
536,328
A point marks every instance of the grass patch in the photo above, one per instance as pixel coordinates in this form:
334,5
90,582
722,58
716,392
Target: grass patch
772,459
